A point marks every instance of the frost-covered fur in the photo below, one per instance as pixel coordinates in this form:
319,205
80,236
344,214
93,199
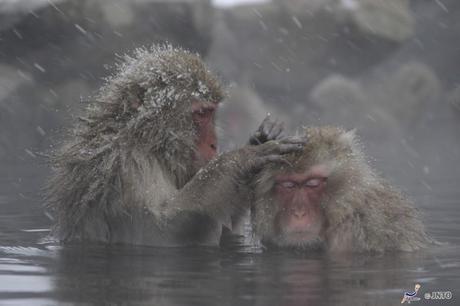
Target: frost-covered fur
363,212
132,150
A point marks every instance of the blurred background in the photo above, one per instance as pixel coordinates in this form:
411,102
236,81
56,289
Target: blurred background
389,69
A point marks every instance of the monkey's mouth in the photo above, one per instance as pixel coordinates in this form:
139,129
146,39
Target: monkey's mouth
298,235
302,226
302,240
206,152
302,232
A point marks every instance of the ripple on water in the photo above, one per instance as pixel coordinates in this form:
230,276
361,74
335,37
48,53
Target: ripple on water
28,251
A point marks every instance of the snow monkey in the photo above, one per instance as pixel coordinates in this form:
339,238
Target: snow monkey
143,168
330,199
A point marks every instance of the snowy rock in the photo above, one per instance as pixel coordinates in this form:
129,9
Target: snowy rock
389,19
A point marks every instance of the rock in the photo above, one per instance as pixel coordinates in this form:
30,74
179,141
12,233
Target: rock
389,19
338,99
407,92
345,102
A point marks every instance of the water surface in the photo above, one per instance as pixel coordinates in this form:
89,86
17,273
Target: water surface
33,272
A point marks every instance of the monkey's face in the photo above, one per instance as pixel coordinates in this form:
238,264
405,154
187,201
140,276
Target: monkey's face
300,218
298,204
203,115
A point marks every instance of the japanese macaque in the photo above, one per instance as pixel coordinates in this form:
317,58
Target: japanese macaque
328,197
143,168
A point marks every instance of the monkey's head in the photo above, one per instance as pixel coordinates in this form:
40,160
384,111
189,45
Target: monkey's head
299,203
162,101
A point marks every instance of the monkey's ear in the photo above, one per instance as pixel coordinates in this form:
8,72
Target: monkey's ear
348,138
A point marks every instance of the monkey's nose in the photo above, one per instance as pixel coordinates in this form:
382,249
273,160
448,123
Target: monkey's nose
213,146
300,213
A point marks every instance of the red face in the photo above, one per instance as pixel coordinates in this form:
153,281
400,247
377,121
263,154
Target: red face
203,119
301,217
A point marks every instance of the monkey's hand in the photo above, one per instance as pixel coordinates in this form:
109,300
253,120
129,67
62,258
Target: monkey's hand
218,189
268,130
254,158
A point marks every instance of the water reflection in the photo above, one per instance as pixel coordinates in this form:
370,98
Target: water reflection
96,274
33,272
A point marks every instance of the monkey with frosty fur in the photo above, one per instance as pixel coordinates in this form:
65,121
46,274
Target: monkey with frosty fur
142,166
328,197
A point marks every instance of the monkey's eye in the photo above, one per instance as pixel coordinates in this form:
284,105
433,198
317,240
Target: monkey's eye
287,184
203,113
314,182
200,112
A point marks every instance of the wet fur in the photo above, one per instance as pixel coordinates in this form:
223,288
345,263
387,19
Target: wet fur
363,212
131,151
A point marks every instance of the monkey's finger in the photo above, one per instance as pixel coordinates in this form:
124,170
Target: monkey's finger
262,124
294,140
262,161
273,128
289,148
268,123
274,147
266,119
255,139
267,127
276,131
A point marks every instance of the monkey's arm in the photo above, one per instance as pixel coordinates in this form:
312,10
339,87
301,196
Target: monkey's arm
213,192
219,189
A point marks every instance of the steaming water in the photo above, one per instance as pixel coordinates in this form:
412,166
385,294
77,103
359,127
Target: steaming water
34,273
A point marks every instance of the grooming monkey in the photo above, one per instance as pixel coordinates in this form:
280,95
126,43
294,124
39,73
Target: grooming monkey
330,198
142,167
